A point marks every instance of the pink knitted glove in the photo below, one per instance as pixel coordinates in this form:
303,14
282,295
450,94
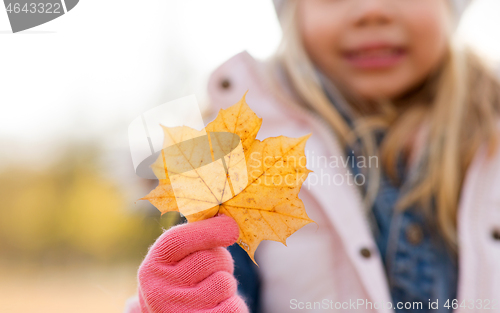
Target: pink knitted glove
188,269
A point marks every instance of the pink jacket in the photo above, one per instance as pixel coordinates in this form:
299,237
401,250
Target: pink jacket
338,264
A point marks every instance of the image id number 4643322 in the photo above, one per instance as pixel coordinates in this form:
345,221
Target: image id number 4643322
48,8
479,304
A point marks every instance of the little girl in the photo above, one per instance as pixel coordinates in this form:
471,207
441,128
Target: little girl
419,231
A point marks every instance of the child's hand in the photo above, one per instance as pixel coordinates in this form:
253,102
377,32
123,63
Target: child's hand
188,269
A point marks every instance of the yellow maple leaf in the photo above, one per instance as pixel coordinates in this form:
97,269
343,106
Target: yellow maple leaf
262,198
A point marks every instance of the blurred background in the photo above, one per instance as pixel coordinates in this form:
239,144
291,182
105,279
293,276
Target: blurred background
72,230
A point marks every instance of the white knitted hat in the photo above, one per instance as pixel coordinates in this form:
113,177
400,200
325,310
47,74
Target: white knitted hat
458,5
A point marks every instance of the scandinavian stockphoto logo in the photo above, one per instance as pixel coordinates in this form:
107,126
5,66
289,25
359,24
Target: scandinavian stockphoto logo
205,169
25,14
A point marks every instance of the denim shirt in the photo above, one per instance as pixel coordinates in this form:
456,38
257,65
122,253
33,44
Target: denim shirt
246,273
419,267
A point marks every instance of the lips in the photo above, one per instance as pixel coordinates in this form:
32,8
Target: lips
375,56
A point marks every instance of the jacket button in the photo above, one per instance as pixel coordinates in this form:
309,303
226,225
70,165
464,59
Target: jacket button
365,252
225,83
414,234
496,234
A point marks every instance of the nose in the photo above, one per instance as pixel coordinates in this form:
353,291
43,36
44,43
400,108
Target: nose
373,12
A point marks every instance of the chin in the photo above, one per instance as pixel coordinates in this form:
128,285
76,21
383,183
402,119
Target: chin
375,90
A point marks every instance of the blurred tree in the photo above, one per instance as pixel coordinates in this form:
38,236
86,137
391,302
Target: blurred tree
70,212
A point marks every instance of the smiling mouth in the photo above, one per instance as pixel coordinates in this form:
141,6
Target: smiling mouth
375,58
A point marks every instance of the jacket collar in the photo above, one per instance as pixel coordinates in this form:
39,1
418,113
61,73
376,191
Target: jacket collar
342,204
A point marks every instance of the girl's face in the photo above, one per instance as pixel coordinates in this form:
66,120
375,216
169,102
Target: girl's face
376,48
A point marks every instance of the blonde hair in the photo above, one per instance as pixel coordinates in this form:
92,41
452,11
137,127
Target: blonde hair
459,103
